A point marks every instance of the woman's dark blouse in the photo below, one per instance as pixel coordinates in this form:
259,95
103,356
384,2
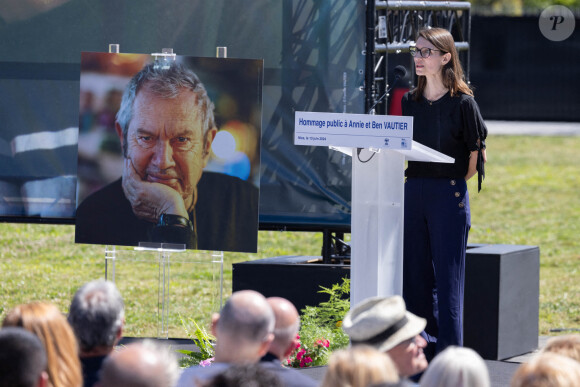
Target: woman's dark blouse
450,125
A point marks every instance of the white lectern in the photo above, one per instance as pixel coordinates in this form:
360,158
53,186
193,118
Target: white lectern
377,190
377,219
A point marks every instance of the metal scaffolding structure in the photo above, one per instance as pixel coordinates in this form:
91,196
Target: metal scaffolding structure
391,27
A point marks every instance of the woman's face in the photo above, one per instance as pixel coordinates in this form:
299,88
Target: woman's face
432,65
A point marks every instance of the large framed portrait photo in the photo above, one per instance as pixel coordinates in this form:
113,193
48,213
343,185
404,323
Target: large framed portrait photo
169,151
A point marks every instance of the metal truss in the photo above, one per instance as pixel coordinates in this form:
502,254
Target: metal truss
392,27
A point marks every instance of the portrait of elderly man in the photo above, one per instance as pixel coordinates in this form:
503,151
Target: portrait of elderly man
166,127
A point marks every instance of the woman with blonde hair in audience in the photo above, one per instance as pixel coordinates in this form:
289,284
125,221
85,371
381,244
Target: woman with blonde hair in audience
458,367
548,370
50,325
567,345
359,366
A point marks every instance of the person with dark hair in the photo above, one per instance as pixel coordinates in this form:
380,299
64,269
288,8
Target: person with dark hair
245,375
243,330
166,127
97,316
446,118
140,364
22,359
285,332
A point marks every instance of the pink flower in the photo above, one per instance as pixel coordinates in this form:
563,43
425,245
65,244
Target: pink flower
289,361
297,345
326,343
300,354
302,363
308,359
207,362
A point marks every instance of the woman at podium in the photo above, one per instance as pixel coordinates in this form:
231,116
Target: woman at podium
437,215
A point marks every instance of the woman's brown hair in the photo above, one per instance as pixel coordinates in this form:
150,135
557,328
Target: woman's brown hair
49,324
452,73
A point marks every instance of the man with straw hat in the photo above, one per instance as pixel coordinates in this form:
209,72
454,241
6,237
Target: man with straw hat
385,323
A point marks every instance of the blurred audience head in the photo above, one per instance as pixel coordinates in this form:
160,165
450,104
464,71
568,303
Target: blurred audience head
244,328
244,375
547,370
384,323
22,359
140,364
97,315
286,327
458,367
359,366
50,326
567,345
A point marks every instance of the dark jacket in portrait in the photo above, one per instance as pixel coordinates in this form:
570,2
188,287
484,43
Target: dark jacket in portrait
225,218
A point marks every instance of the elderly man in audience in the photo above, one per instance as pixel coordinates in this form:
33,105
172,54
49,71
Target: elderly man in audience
22,359
285,332
243,330
97,317
385,324
140,364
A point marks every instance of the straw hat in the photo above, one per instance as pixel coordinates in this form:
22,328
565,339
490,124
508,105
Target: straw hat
382,323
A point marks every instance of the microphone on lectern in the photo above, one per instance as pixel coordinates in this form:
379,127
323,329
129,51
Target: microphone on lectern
399,72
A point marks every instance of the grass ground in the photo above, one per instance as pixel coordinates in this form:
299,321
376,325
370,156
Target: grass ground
531,197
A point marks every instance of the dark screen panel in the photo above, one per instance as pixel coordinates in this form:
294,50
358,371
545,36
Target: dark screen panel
313,61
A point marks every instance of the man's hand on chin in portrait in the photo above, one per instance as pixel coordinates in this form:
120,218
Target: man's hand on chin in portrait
150,200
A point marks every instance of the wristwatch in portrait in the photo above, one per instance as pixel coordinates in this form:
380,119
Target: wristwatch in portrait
175,220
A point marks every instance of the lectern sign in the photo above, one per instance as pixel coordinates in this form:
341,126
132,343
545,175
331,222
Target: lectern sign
353,130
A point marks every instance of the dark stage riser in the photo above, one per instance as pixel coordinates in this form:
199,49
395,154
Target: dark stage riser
502,290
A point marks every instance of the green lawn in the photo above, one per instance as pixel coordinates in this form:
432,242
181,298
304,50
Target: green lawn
531,197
